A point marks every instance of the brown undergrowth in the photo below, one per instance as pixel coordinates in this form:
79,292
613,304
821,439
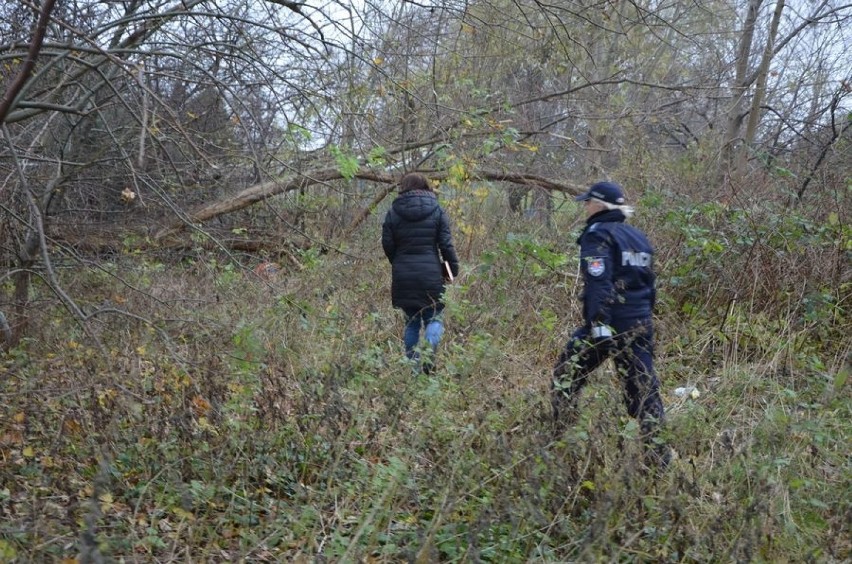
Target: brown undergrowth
233,418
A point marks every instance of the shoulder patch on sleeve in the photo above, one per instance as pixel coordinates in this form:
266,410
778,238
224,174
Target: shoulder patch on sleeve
595,266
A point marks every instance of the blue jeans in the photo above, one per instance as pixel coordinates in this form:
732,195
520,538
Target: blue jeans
415,320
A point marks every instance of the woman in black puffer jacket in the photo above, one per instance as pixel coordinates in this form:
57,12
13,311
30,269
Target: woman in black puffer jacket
416,238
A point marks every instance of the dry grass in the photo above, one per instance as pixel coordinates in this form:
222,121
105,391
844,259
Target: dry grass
258,421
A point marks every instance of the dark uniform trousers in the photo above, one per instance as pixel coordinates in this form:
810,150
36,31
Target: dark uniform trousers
632,350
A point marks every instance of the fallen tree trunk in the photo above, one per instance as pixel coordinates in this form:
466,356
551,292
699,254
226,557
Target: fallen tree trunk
265,190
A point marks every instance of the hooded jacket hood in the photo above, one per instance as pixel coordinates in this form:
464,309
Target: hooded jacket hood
605,216
415,205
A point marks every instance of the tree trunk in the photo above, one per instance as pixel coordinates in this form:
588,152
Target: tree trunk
736,113
21,297
261,192
760,88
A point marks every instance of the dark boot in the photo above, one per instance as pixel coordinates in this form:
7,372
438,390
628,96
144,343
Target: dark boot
564,408
563,400
427,361
658,455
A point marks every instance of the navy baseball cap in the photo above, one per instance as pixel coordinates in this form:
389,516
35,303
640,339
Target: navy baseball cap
607,191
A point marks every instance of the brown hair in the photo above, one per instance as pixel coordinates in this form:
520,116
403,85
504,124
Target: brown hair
414,181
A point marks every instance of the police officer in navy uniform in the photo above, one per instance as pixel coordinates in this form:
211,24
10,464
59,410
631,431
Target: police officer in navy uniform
618,301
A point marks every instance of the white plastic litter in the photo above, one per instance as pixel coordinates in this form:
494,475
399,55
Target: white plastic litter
690,391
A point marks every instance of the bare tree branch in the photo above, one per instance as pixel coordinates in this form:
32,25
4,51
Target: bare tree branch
29,63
